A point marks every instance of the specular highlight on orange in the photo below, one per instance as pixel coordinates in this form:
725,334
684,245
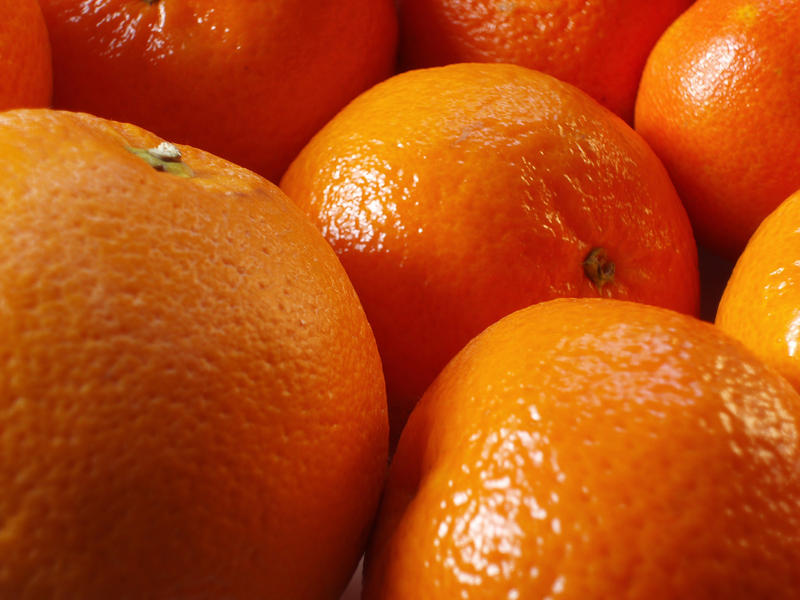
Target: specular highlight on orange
456,195
717,103
248,81
761,302
592,449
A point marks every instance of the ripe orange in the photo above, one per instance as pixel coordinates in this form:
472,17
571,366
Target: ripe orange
592,449
761,303
717,103
600,46
26,77
456,195
191,400
249,81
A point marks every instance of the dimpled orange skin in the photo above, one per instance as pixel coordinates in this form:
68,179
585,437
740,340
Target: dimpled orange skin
191,400
456,195
26,76
593,449
599,45
761,302
717,103
248,81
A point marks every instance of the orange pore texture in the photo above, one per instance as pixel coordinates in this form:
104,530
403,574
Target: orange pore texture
718,104
599,45
592,449
761,303
456,195
191,399
249,81
26,77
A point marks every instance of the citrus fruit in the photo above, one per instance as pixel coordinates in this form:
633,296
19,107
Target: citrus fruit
592,449
458,194
249,81
191,399
716,103
26,77
600,46
761,302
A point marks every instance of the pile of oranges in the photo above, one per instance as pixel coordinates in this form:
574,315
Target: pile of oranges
501,296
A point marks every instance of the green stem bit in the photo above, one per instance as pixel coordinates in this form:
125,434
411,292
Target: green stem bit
164,157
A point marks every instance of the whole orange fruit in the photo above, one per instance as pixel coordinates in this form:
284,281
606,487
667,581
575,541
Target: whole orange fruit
191,399
593,449
717,104
761,302
249,81
456,195
599,45
26,76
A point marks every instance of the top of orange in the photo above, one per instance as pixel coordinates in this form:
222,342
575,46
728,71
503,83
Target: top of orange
718,104
456,195
249,81
593,449
26,78
600,46
761,303
191,400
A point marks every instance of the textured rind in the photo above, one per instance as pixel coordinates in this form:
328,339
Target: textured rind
26,75
595,449
761,302
716,103
598,45
249,81
456,195
191,400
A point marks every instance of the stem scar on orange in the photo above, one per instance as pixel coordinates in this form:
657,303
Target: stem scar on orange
456,195
191,397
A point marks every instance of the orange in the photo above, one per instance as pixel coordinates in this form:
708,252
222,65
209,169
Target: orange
249,81
191,399
593,449
26,77
717,103
761,302
599,45
456,195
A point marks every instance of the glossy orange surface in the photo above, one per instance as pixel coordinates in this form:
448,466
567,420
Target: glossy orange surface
249,81
456,195
26,77
191,399
593,449
761,303
599,45
717,103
